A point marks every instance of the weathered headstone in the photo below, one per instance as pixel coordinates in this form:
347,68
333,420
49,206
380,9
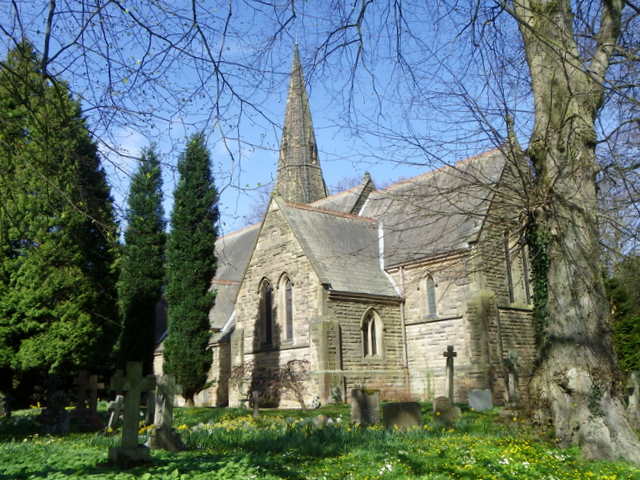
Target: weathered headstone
480,400
633,405
450,355
114,409
365,407
255,400
512,380
130,453
445,413
150,409
163,436
401,415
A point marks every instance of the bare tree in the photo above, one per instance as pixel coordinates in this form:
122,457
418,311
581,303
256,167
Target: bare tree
561,74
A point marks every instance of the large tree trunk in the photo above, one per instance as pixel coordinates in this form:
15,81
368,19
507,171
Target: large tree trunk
576,382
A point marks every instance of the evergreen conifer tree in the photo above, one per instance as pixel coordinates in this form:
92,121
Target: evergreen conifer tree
142,263
57,230
191,264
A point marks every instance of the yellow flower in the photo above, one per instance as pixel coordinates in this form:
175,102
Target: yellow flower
183,427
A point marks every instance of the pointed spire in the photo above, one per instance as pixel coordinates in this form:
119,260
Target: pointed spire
299,173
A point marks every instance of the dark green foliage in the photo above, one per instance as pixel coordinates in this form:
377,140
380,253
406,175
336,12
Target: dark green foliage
142,263
191,264
623,290
57,229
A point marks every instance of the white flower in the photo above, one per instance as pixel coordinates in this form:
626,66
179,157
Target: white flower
504,461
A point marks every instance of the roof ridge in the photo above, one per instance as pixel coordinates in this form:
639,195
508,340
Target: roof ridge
342,193
304,206
240,230
439,170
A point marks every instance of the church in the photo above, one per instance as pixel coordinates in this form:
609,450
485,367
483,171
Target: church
368,287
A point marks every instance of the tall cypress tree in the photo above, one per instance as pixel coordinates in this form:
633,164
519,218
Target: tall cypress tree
57,229
142,263
191,264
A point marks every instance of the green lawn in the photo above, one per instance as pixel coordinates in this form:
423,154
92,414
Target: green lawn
230,444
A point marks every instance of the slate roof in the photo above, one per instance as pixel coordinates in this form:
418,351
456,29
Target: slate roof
430,214
233,252
437,212
342,248
346,201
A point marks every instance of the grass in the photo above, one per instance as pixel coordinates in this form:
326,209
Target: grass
230,444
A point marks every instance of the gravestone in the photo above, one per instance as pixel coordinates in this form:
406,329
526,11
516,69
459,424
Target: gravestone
114,409
480,400
86,411
163,436
450,355
130,452
512,380
365,407
633,405
150,409
444,412
401,415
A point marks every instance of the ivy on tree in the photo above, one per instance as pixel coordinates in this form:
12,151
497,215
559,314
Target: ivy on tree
57,230
142,263
191,264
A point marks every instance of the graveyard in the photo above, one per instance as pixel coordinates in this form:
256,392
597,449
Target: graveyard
365,440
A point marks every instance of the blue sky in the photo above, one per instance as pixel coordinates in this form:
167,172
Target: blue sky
382,117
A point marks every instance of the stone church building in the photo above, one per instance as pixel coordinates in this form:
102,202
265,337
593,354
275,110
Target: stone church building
368,287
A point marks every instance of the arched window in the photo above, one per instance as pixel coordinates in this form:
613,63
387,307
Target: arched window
525,273
371,334
431,303
266,312
509,266
286,306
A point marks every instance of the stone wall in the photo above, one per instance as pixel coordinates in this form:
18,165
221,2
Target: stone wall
428,335
386,371
512,330
277,253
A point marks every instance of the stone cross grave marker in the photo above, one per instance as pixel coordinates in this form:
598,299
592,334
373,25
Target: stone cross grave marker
511,367
114,409
450,354
163,436
150,410
130,452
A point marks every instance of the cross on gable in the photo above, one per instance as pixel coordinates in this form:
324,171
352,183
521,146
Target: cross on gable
450,354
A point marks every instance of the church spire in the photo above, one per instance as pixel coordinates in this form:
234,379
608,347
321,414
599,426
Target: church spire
299,173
